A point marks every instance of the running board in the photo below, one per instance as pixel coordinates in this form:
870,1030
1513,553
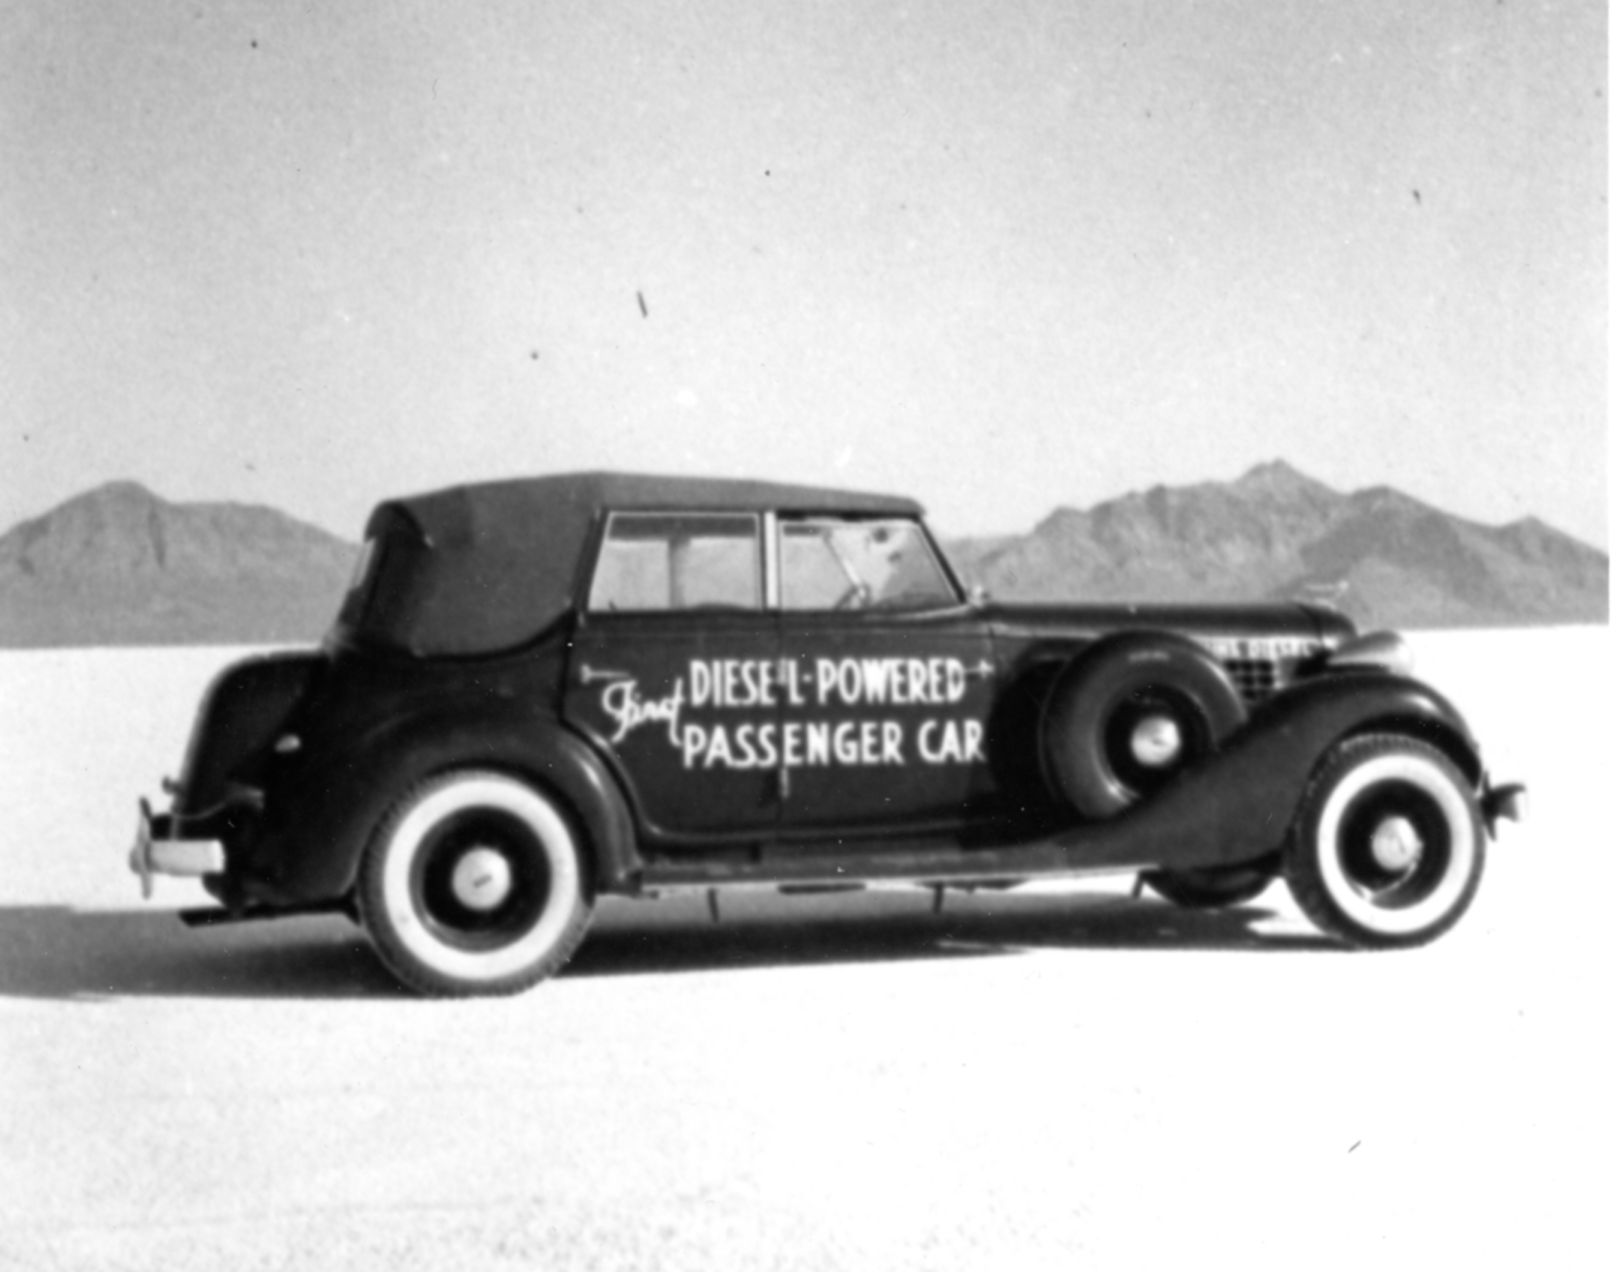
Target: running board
979,868
217,915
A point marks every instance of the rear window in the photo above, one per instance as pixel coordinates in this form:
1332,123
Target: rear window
349,620
678,561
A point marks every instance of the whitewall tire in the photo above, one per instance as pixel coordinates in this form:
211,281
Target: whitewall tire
1389,846
474,883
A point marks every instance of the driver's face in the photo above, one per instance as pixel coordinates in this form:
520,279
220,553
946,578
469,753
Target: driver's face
883,548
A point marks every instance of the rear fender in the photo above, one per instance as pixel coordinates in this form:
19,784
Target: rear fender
242,710
315,852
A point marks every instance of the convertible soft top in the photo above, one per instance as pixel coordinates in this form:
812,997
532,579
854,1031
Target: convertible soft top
484,567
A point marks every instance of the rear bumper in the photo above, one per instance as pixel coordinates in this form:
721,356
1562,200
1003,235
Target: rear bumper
158,850
189,847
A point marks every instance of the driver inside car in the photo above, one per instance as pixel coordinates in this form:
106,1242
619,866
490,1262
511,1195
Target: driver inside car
899,574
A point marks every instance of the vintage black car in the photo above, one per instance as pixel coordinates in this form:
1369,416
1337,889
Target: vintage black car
540,691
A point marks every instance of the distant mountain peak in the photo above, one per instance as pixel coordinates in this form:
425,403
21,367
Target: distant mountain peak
1272,470
119,564
122,488
1276,476
111,494
1379,500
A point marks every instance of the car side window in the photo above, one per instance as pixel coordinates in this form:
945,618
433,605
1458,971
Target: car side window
678,561
833,564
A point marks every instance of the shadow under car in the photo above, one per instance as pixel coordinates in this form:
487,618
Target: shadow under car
57,952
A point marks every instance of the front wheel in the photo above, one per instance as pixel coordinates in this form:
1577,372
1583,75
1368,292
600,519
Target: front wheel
474,884
1389,845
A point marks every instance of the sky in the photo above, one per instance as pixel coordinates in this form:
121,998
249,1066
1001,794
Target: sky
999,258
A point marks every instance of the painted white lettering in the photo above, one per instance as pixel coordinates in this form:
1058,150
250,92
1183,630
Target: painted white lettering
693,742
621,702
827,678
868,741
767,738
850,682
718,752
875,676
817,742
951,742
791,680
844,743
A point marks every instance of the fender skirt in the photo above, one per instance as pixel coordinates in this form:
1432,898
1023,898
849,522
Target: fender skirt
1239,803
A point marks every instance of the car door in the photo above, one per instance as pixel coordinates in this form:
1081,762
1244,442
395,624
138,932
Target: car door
673,673
894,681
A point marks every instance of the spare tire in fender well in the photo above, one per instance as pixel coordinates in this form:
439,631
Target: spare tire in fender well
1130,712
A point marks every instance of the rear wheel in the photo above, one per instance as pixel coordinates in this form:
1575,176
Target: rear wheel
1212,888
1389,846
474,884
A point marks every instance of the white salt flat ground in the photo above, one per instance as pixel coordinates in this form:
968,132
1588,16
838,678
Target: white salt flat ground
1024,1081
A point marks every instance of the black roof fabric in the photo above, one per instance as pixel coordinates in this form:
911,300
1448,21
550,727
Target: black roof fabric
477,568
499,506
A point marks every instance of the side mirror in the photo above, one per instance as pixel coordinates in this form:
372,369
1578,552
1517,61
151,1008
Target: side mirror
977,594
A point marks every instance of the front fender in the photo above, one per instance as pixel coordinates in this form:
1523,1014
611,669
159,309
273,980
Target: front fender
1314,714
1238,804
317,826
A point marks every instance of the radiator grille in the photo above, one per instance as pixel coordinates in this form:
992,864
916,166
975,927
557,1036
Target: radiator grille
1255,677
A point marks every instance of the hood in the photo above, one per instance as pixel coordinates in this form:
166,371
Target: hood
1310,624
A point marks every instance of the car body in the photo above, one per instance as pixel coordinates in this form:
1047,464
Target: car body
542,691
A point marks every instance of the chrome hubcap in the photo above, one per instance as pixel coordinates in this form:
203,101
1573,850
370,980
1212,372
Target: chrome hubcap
1395,845
1156,741
482,879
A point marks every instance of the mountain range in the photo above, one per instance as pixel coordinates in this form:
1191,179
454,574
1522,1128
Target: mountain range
119,565
1274,534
